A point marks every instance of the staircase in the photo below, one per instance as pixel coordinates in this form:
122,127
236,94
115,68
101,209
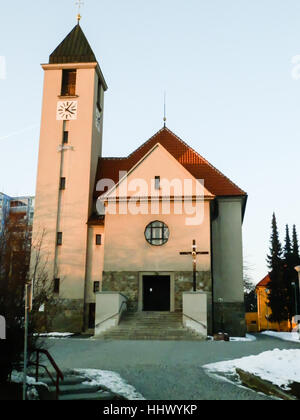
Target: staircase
76,388
156,326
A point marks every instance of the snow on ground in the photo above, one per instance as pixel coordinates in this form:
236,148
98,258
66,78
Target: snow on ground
110,380
294,337
17,377
32,394
55,335
281,367
248,338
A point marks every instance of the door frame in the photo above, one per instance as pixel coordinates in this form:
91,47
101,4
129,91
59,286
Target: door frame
156,273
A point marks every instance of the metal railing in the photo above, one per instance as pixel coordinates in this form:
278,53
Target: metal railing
198,322
59,374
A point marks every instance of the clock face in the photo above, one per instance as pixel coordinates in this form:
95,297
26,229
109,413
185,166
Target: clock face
98,120
66,110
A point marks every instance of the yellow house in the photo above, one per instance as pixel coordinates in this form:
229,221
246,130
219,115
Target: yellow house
252,322
264,311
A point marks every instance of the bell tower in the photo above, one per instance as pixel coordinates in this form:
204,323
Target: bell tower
70,146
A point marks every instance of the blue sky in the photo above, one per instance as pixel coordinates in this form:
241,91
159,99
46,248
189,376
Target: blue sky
226,67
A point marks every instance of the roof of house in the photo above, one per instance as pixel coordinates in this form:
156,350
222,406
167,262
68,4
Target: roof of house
75,48
217,183
265,281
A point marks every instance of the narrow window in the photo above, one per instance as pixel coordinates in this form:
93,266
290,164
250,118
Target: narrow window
68,83
66,137
92,315
62,183
99,96
157,182
59,238
98,239
96,286
56,286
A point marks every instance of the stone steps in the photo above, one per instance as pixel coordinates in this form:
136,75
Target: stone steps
76,388
156,326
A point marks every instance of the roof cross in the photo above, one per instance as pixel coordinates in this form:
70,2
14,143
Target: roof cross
79,3
194,254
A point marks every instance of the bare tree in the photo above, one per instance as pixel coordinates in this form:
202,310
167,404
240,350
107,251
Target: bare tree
15,251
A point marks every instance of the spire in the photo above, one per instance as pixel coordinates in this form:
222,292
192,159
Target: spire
75,48
165,109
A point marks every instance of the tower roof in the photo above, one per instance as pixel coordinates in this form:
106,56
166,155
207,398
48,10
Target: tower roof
75,48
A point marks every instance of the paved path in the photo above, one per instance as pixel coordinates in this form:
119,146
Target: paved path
164,370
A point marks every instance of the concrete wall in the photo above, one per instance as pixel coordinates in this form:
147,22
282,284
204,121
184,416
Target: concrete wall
228,266
126,248
109,310
195,312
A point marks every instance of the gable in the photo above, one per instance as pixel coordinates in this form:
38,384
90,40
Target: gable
215,182
175,179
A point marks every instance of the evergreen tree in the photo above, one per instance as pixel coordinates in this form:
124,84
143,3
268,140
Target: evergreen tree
288,243
295,250
278,296
296,262
275,258
290,276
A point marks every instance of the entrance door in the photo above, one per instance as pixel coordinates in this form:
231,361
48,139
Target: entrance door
157,293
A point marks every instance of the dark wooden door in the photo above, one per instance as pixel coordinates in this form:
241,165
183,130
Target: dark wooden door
157,293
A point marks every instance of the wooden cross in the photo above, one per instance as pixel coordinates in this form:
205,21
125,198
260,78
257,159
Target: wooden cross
194,254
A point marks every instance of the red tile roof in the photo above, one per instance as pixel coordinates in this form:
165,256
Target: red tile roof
217,183
265,281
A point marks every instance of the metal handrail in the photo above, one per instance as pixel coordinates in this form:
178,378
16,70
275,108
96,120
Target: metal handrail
59,374
198,322
112,316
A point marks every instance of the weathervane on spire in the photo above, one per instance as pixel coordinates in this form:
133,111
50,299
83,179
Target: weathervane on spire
79,3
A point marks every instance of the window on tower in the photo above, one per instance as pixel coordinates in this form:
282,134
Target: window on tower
59,238
56,286
62,184
68,83
66,137
99,96
98,239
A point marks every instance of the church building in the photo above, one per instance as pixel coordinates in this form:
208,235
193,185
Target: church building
150,227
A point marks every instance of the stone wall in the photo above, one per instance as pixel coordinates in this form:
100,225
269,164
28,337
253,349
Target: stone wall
184,283
126,283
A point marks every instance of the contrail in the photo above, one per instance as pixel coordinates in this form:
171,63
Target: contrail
31,127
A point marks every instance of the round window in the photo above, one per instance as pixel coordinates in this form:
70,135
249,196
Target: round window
157,233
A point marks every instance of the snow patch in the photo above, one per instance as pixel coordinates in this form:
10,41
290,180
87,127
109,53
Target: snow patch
247,339
55,335
293,337
32,394
110,380
281,367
